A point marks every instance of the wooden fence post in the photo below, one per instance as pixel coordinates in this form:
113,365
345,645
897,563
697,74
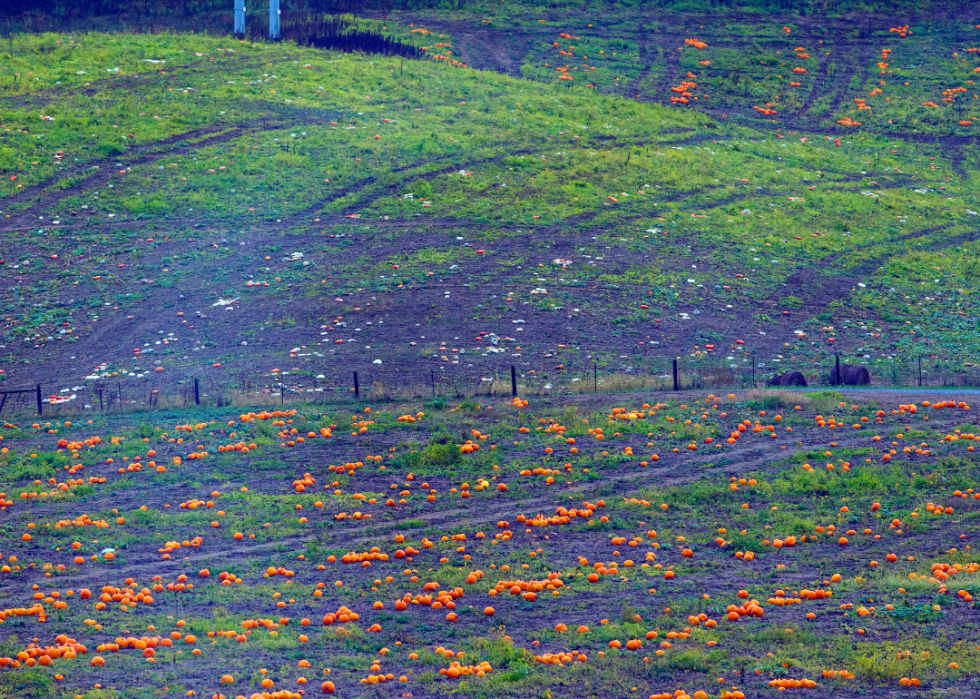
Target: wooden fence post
357,387
40,409
197,393
513,381
676,388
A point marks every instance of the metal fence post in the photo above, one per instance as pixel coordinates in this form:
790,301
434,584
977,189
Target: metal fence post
239,17
513,381
274,20
676,388
40,409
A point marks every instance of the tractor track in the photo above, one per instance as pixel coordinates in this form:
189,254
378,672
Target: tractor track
739,460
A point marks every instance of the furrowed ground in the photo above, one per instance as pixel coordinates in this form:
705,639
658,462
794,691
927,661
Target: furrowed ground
725,546
387,216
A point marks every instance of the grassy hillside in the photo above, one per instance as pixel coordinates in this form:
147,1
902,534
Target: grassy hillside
361,208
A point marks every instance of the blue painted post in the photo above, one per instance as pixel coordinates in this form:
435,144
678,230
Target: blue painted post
240,17
274,20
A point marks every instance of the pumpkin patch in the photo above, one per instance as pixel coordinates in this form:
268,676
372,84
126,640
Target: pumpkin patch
522,280
868,552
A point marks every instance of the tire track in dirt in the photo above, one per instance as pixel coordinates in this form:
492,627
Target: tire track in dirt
388,190
150,154
956,163
448,170
349,537
103,175
304,217
636,85
672,71
170,223
842,83
487,512
817,90
311,211
868,267
82,169
153,153
739,460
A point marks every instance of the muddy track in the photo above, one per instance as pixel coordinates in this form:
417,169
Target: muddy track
306,216
843,81
98,178
635,87
387,191
944,141
817,90
956,163
946,243
87,178
349,535
302,217
140,152
868,267
673,33
739,460
448,170
820,289
670,77
102,176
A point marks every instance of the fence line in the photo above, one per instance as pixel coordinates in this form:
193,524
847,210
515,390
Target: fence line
384,384
15,391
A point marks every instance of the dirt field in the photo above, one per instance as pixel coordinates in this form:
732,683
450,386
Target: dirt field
667,507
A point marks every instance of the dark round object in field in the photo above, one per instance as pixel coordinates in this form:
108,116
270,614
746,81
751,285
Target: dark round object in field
789,378
851,375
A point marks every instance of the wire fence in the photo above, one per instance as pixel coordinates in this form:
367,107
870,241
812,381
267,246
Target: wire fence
391,383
